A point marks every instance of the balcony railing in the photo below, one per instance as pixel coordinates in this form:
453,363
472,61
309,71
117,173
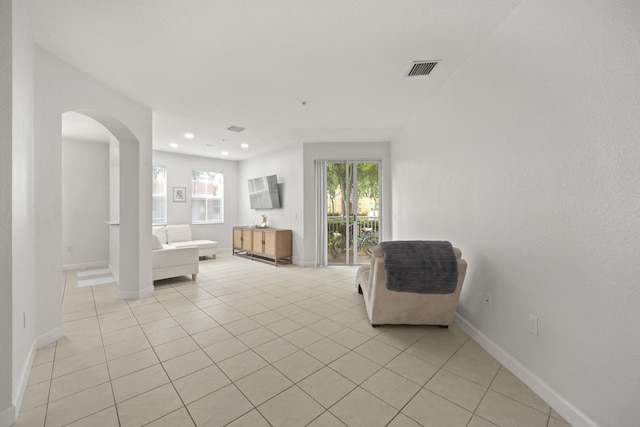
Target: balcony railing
337,236
337,223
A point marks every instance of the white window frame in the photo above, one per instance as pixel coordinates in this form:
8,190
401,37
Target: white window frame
215,181
155,195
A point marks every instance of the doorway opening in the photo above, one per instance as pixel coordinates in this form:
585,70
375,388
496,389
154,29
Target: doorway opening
351,211
120,216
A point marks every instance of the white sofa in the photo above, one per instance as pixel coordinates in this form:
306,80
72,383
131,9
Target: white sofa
179,236
168,261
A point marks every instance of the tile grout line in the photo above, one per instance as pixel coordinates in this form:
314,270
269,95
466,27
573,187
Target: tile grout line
294,384
55,359
106,360
221,285
231,382
184,405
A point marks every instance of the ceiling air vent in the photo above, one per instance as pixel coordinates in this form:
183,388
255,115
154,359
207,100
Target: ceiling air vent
235,128
421,68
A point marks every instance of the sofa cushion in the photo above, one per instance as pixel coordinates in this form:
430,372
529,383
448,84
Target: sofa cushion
178,233
161,232
155,242
202,244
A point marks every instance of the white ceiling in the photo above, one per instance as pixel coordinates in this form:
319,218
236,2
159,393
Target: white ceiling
202,66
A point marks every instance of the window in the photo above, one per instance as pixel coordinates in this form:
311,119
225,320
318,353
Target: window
207,192
159,195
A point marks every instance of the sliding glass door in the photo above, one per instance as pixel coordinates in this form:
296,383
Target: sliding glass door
352,222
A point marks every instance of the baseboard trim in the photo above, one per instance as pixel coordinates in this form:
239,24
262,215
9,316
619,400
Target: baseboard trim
8,416
147,292
49,337
571,413
18,394
143,293
82,265
113,272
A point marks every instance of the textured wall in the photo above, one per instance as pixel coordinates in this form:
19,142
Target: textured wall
22,246
528,160
6,409
59,88
85,203
287,164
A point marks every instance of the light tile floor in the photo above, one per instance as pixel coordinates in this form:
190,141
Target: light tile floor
250,344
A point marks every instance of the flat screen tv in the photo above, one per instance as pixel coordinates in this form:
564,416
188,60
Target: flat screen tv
264,193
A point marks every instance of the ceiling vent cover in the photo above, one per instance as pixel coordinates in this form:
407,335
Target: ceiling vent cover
235,128
421,68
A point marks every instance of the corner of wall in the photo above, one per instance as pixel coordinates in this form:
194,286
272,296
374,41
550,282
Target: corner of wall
132,295
21,382
541,388
8,416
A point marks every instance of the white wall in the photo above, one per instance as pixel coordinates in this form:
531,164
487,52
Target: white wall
528,161
287,164
114,207
179,167
294,166
6,194
341,151
22,247
85,204
60,88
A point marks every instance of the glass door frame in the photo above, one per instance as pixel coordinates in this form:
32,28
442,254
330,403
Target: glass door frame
351,219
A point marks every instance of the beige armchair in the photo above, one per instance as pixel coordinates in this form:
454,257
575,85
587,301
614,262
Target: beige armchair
405,308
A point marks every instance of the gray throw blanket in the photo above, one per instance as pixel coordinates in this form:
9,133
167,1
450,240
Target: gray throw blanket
425,267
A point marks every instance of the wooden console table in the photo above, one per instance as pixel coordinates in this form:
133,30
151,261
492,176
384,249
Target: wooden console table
263,244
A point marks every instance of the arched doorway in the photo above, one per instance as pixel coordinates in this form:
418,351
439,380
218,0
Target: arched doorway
125,231
86,199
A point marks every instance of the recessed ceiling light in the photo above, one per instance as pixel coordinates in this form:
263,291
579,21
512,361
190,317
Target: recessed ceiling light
173,145
225,153
244,145
235,128
188,135
209,145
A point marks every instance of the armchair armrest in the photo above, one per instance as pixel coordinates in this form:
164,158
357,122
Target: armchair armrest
174,256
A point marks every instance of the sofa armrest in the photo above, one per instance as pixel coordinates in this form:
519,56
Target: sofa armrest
174,256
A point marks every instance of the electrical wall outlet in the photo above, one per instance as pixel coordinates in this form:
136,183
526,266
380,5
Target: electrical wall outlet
533,324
